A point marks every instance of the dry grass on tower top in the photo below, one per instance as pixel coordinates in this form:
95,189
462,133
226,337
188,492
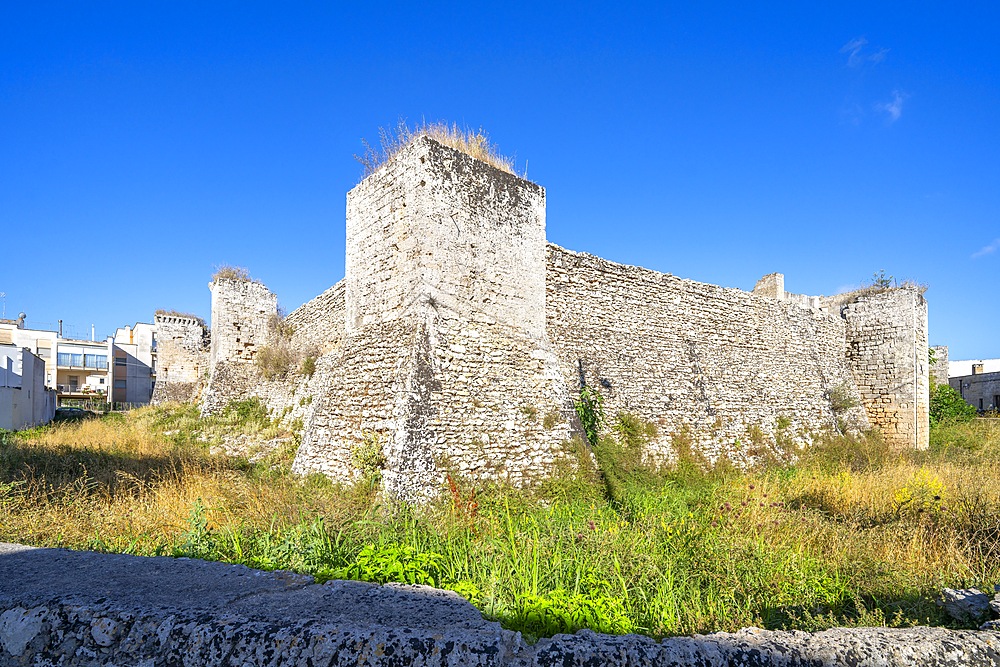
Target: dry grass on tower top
475,143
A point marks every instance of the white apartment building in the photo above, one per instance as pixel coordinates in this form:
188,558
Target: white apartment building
118,369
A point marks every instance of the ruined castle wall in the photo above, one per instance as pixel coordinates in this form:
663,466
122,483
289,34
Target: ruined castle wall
242,316
434,226
444,395
241,313
444,363
729,366
181,358
319,323
939,369
887,350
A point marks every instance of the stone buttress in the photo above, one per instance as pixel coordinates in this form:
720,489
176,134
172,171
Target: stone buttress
444,365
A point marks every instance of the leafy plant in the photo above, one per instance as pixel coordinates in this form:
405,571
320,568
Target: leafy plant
842,399
590,410
560,611
368,457
947,406
881,281
394,562
308,367
197,541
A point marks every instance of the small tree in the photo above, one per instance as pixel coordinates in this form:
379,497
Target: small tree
948,406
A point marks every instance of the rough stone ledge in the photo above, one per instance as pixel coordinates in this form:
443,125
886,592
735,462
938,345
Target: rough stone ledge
60,607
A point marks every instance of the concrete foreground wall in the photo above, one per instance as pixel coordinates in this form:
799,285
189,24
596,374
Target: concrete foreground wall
65,608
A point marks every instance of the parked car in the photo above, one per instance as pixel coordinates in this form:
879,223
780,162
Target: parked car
70,414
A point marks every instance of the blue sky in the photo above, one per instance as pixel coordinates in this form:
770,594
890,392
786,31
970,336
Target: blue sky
143,144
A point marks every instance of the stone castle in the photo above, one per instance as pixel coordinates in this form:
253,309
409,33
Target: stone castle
459,339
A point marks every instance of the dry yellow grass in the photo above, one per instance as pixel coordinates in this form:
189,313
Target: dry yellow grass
850,528
475,143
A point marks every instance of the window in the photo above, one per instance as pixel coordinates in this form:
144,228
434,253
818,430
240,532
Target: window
980,405
95,361
76,360
119,384
74,382
996,401
62,358
45,352
100,381
120,361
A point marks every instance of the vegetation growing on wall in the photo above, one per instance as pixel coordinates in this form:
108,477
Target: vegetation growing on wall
475,143
852,533
590,410
227,272
283,353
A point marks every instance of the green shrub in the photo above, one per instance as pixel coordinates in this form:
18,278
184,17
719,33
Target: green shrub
948,406
590,410
274,361
368,457
251,411
308,366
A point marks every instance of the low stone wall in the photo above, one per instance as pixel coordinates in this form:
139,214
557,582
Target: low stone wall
81,609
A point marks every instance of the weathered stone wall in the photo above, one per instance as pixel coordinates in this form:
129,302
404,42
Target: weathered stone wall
242,311
434,226
887,350
939,369
444,367
319,323
733,370
182,356
243,314
439,396
458,340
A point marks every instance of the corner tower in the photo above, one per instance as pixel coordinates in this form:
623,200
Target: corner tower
434,227
445,367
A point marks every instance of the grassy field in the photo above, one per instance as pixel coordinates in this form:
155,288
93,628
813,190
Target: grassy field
851,534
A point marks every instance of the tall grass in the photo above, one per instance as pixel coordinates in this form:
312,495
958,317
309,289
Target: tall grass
852,533
475,143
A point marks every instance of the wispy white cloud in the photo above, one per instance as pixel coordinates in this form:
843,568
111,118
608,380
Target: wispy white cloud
878,56
853,50
858,54
987,249
893,109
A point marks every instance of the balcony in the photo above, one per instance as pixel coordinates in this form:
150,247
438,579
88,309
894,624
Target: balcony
76,391
83,361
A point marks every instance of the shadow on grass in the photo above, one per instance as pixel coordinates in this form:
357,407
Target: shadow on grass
103,471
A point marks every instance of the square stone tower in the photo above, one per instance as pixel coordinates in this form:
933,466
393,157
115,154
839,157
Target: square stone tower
445,367
434,227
